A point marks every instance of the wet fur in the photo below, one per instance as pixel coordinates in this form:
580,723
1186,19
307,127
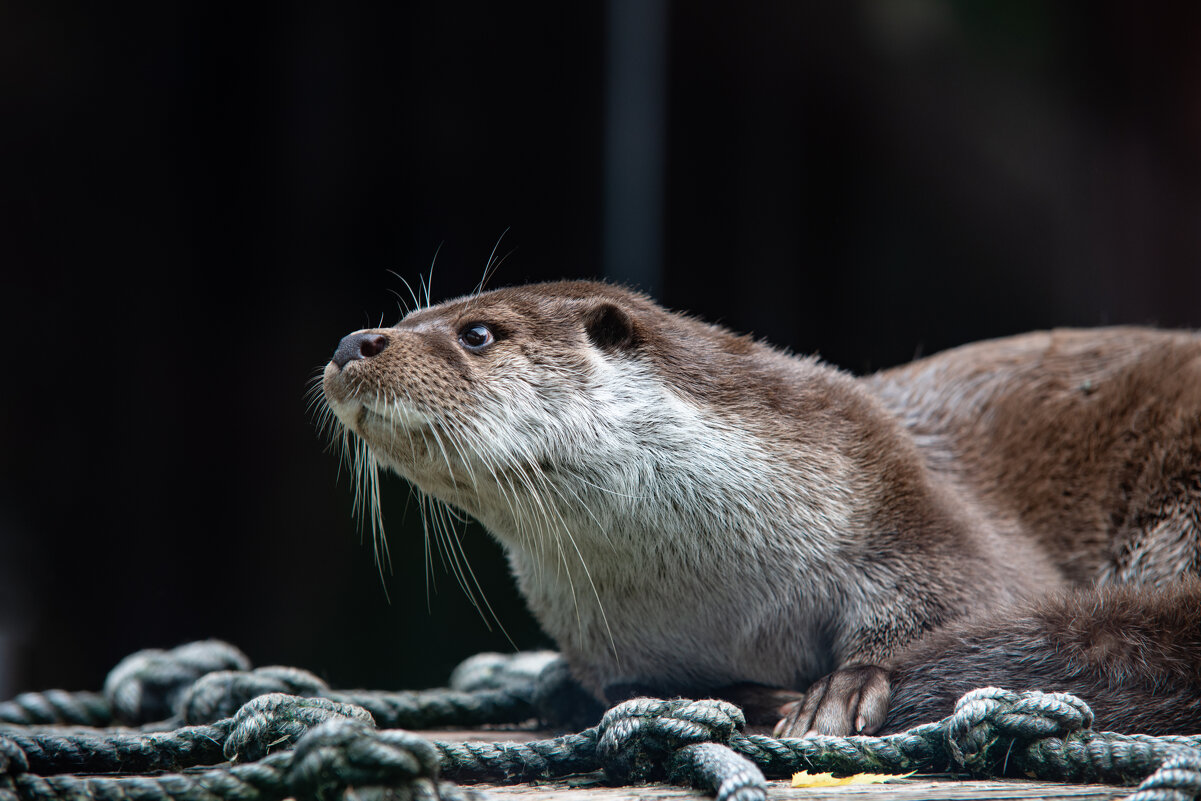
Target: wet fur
686,509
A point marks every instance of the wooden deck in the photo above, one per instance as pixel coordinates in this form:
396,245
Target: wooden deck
912,789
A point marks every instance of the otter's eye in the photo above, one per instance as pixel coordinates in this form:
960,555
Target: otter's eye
476,337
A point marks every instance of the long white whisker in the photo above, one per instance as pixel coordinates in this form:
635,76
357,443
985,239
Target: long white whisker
430,282
491,265
408,286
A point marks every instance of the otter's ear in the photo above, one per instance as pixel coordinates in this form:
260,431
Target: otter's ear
609,327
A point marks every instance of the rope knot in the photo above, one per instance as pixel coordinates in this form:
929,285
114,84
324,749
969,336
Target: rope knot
637,736
350,753
1178,779
719,770
222,693
987,722
145,686
276,720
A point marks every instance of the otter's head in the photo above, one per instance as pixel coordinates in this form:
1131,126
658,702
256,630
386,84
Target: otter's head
479,400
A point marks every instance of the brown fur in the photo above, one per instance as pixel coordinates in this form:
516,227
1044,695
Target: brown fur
1130,651
883,512
1087,439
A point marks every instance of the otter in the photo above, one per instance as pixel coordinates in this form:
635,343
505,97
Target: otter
690,511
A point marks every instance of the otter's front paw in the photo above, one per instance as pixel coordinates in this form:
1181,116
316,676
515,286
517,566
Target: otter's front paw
851,700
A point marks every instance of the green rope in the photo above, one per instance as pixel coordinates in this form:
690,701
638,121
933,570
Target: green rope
110,751
222,693
56,706
315,744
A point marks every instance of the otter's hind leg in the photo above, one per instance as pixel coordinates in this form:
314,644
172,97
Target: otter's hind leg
1133,653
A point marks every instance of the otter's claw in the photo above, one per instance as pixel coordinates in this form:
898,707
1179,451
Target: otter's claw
851,700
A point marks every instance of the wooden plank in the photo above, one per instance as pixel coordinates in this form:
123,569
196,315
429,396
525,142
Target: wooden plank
506,735
924,788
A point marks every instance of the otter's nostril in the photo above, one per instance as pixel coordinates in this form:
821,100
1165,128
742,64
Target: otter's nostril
361,345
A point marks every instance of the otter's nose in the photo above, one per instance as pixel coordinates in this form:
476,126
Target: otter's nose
359,345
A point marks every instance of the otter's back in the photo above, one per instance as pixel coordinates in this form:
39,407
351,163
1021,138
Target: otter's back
1074,435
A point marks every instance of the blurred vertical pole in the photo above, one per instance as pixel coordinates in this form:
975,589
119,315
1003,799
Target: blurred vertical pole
635,129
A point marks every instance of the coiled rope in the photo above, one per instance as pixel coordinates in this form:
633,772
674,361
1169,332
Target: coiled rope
197,724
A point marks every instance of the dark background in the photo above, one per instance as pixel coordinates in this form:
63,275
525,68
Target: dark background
197,203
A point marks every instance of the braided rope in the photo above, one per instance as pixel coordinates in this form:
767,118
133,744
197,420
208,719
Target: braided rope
56,706
313,743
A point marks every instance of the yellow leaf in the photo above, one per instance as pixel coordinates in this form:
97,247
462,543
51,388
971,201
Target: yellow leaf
807,779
